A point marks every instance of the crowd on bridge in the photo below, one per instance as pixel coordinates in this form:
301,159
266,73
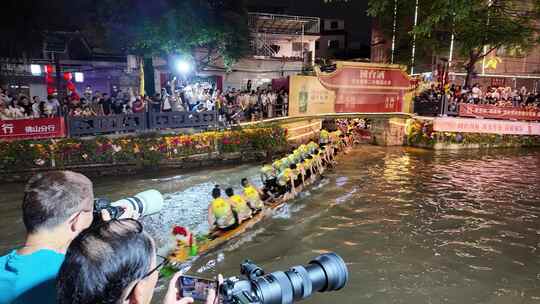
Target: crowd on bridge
232,105
491,95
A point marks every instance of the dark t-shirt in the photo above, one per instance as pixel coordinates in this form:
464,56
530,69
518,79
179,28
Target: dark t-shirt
106,104
27,109
118,107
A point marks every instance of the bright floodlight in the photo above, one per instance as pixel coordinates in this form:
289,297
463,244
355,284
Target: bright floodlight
183,66
35,69
79,77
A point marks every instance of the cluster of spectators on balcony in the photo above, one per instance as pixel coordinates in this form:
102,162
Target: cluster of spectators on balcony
492,95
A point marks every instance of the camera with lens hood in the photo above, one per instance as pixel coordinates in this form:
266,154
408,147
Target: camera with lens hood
326,272
144,203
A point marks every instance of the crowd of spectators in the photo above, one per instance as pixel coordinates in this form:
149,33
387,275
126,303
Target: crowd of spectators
491,95
22,106
232,105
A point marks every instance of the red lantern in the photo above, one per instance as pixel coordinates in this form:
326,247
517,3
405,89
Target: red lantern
67,76
49,79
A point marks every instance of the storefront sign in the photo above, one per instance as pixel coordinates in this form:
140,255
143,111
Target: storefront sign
32,128
353,87
367,88
468,125
491,111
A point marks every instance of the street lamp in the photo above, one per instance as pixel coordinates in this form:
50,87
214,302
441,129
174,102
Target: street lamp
183,66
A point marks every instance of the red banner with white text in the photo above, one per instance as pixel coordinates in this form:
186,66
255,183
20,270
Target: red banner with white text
368,88
491,111
32,128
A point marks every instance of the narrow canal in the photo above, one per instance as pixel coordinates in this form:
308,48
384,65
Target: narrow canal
414,226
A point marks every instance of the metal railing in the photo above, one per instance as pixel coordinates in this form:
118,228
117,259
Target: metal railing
277,24
124,123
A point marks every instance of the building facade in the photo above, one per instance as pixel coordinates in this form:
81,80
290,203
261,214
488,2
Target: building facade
333,38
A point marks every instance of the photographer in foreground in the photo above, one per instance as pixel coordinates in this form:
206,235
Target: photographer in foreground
56,207
114,262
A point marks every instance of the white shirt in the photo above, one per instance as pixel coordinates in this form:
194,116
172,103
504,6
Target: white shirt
476,92
35,109
209,105
53,104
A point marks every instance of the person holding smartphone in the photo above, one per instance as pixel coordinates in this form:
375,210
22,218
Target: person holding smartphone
115,262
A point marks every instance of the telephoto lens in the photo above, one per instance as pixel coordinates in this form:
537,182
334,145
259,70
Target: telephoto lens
327,272
143,204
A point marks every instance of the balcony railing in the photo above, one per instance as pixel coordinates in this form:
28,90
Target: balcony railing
283,24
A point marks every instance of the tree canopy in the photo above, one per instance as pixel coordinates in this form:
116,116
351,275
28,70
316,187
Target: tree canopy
214,28
479,27
217,28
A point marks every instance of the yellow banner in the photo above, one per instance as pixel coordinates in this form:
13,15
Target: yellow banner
307,97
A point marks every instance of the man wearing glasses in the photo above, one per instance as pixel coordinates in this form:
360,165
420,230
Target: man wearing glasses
57,207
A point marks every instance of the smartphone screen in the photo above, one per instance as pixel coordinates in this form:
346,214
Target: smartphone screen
196,288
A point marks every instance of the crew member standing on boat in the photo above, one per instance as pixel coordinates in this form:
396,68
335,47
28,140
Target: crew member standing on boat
239,206
220,212
252,195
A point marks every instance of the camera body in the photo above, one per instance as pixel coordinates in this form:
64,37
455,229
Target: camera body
327,272
142,204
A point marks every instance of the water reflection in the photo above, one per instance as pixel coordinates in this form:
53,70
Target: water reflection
414,226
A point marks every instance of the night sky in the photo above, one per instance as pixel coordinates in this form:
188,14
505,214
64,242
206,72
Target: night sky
357,23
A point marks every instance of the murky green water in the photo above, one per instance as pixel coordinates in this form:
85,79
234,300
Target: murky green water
414,226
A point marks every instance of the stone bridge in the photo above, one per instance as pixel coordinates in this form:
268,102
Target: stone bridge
387,129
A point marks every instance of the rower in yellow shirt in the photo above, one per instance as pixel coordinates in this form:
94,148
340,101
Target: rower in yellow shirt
239,206
252,195
220,213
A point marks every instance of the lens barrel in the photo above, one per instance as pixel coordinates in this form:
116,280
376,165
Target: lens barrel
325,273
144,203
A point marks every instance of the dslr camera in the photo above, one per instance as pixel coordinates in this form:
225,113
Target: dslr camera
143,204
327,272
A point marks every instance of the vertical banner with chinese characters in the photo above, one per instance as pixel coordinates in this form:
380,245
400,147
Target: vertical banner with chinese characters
307,97
367,87
32,128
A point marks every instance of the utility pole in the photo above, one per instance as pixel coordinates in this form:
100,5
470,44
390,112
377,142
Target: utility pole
394,32
413,55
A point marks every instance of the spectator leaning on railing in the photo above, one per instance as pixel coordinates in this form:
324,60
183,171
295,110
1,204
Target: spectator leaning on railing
232,105
497,96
